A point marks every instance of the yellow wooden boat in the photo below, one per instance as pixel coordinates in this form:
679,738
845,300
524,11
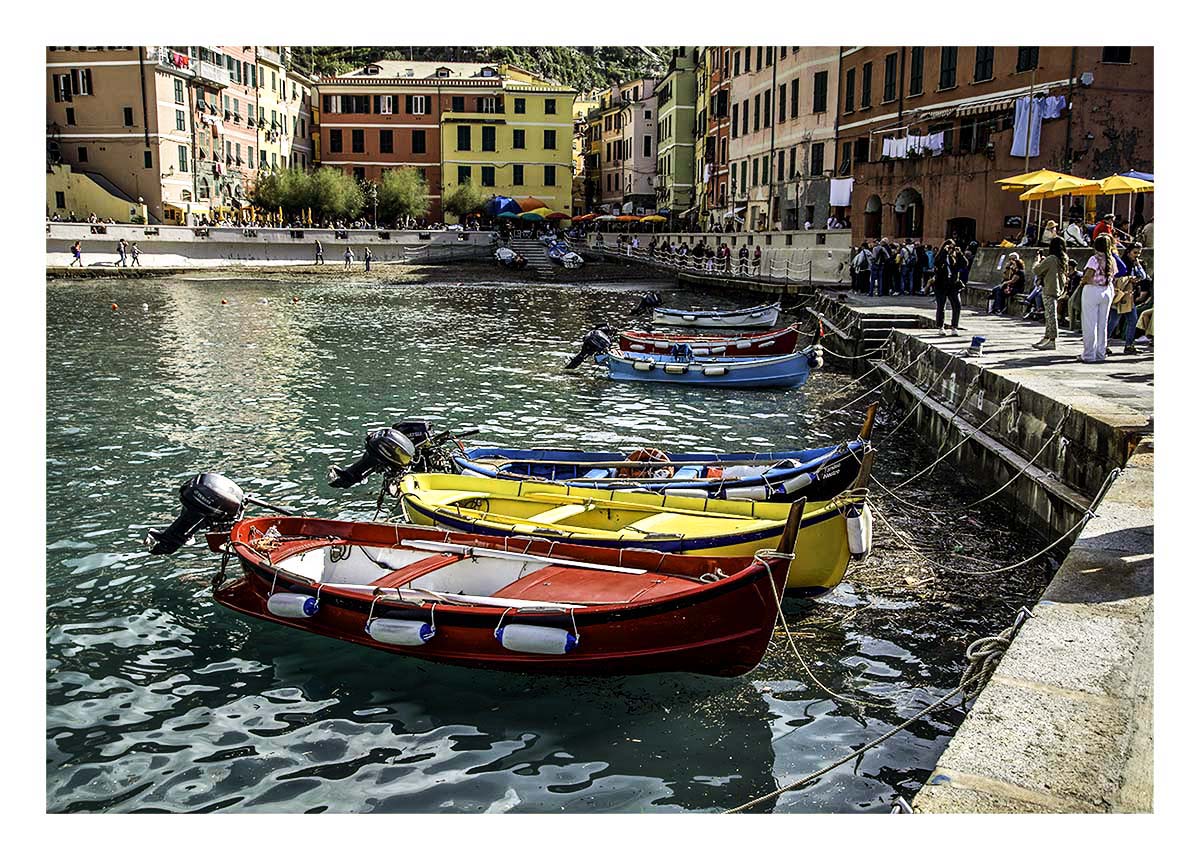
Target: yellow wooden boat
831,532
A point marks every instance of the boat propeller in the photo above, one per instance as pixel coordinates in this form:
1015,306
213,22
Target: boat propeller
209,501
596,342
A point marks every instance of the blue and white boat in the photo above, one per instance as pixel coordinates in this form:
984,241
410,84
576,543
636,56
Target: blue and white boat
761,316
817,474
776,371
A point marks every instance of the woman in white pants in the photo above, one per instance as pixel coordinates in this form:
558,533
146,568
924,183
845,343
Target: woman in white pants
1097,297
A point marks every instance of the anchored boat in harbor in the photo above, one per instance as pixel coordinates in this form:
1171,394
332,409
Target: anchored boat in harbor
760,316
778,342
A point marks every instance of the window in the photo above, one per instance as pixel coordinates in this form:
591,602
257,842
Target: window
127,116
754,172
862,150
984,60
147,159
180,121
518,138
757,110
418,141
70,116
464,138
648,115
62,88
890,64
183,159
250,157
758,60
489,138
795,99
1027,59
60,200
783,111
820,93
548,178
485,104
743,185
415,104
360,173
385,140
518,174
770,54
767,102
780,174
549,138
383,104
464,174
551,107
458,103
866,85
518,105
737,63
262,153
335,140
646,144
1116,55
847,157
746,115
916,72
734,125
792,162
949,74
81,82
81,154
818,159
850,91
487,176
178,91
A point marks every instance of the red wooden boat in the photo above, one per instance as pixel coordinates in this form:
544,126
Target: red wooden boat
780,341
514,604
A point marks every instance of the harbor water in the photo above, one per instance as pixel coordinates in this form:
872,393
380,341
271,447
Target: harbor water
158,699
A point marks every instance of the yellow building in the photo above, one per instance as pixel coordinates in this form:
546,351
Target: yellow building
511,137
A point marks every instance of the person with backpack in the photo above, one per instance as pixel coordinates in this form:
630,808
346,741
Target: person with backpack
908,265
859,266
879,258
946,286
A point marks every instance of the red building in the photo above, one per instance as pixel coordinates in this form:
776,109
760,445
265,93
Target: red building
946,117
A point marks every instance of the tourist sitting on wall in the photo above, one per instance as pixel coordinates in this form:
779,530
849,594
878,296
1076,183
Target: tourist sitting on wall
1074,234
1013,283
1050,231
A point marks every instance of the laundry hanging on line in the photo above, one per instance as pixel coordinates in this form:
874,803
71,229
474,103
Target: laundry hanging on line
840,190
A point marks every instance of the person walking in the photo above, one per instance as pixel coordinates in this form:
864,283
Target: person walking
744,259
367,257
946,286
908,267
76,252
879,257
1052,269
135,255
120,252
1098,277
320,253
348,257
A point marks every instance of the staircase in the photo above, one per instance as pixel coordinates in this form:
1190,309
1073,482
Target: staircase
535,252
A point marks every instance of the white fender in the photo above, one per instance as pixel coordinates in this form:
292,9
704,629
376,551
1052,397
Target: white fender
643,365
716,371
675,368
532,639
758,493
859,529
292,605
798,482
396,631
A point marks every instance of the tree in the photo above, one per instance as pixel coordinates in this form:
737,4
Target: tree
463,200
290,189
403,193
335,194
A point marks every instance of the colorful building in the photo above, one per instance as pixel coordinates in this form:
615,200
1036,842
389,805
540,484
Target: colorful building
496,126
925,132
627,118
713,196
675,99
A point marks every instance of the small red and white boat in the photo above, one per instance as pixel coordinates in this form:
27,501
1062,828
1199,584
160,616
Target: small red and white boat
781,341
517,604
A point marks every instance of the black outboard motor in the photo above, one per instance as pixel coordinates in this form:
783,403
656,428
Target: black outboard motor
209,500
649,301
596,342
387,450
417,430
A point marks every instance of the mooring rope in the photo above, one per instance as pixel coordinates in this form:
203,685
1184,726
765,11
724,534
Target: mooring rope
982,656
917,405
1083,520
868,393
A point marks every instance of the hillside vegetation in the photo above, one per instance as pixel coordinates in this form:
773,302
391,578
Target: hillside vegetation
584,68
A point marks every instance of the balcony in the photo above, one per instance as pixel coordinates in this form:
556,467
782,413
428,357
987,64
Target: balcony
211,73
268,55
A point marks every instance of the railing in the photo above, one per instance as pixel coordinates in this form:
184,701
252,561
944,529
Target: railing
725,269
212,73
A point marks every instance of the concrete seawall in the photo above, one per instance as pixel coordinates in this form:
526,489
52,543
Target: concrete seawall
204,247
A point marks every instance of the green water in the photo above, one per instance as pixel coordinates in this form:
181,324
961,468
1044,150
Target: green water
158,699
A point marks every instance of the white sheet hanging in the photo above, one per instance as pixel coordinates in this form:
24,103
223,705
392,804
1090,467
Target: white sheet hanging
840,190
1027,124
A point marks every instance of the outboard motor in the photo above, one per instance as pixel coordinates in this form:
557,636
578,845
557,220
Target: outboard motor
208,500
417,430
596,342
649,301
386,450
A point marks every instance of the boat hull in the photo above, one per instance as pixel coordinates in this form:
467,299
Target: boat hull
779,342
718,628
822,473
763,316
501,508
787,371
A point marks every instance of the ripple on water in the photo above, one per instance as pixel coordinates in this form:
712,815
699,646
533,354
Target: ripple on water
159,700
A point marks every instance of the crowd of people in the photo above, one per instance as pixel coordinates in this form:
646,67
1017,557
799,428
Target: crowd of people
717,257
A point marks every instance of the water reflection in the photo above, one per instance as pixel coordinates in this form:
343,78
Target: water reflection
159,699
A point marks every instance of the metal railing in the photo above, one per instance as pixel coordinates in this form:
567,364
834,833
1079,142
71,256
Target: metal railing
745,270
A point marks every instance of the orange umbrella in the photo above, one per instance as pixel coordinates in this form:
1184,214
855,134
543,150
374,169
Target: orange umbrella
628,218
556,216
528,204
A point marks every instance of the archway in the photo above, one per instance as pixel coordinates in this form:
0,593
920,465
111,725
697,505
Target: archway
873,218
910,214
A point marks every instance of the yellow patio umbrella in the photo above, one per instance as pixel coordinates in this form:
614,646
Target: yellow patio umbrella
1028,180
654,219
544,211
1061,186
1131,185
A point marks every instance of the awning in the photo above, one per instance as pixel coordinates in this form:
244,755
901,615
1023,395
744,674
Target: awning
994,106
687,212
